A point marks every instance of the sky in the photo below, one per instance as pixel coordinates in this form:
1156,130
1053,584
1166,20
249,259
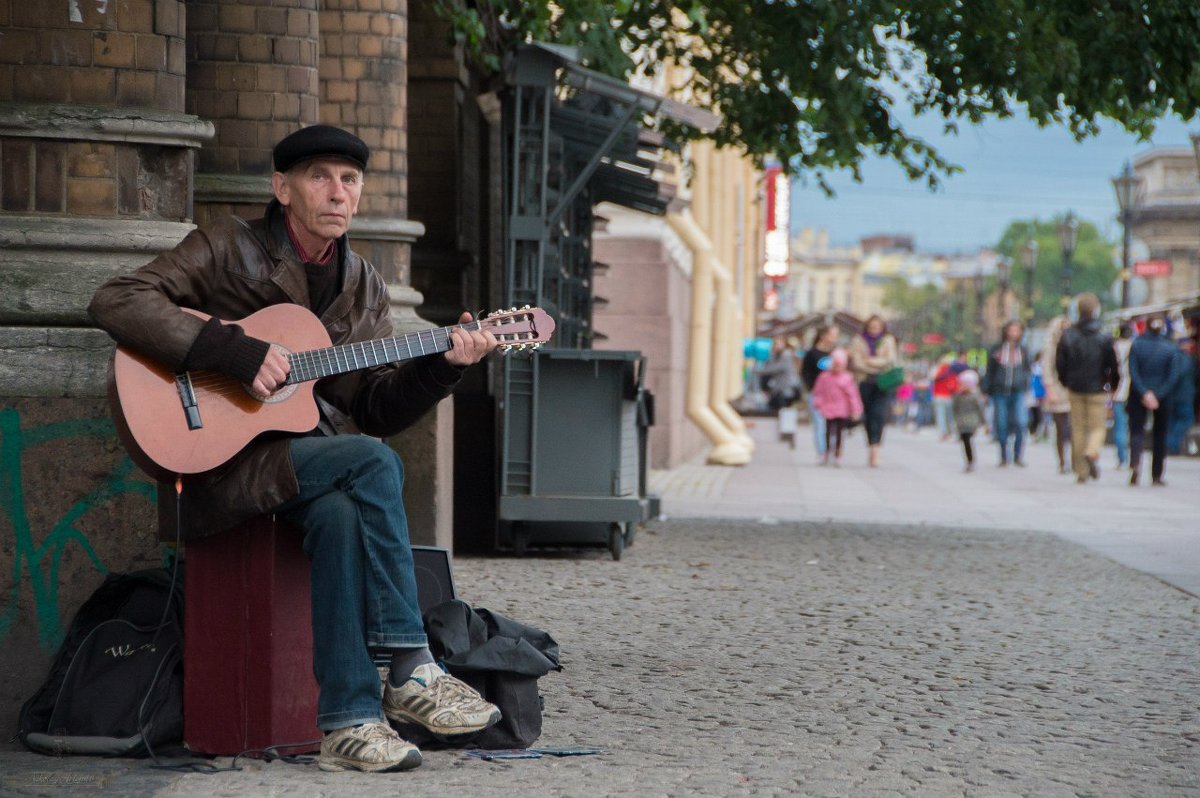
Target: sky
1011,170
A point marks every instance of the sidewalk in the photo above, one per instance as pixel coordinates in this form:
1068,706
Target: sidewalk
758,655
920,481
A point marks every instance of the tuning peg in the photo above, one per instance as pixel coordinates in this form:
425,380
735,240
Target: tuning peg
506,348
526,308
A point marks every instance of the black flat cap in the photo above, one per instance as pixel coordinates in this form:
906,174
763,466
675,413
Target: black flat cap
320,141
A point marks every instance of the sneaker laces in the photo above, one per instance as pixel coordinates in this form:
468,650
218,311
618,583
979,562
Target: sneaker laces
454,691
379,733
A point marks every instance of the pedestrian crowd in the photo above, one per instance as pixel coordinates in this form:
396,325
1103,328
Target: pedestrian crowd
1082,388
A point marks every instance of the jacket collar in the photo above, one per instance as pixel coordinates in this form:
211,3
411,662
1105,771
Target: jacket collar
289,272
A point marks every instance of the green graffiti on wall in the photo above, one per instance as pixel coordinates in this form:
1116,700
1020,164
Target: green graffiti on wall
39,562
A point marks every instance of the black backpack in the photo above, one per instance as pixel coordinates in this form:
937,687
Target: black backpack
115,686
502,659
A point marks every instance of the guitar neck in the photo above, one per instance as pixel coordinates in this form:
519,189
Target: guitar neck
314,364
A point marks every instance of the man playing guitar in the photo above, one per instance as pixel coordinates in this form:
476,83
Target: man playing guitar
342,488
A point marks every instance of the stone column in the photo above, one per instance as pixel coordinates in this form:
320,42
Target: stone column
97,156
253,74
97,161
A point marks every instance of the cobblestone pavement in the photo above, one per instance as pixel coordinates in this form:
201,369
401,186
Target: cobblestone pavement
749,658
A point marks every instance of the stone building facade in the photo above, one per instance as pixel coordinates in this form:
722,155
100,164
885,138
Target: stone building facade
1167,220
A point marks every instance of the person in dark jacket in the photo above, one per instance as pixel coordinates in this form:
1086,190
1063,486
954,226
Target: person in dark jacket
1153,374
810,368
1005,383
1183,401
343,490
1087,366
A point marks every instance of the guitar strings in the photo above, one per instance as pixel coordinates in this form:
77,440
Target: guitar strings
216,384
328,356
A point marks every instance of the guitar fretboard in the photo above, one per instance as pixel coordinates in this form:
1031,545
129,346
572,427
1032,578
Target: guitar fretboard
314,364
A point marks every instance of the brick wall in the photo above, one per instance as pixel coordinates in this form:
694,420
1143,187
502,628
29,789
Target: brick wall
253,74
128,53
450,181
131,54
96,179
433,130
363,81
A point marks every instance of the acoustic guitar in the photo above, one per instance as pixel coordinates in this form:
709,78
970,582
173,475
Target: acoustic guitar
190,422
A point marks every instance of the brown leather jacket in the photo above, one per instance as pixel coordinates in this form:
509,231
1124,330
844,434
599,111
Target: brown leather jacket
229,270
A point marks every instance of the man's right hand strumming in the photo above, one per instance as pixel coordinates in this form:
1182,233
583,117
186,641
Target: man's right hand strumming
272,373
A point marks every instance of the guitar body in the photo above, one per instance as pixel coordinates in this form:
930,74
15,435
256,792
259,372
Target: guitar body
193,422
153,422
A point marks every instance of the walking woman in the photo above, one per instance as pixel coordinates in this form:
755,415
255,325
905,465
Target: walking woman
1055,403
872,352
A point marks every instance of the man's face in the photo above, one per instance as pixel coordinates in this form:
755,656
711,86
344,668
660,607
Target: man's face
321,196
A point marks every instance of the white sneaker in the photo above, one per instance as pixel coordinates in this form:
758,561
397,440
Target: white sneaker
371,747
439,702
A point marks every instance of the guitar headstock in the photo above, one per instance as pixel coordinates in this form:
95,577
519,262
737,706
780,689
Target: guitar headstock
519,328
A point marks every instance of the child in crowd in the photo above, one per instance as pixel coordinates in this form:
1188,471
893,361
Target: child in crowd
835,395
969,413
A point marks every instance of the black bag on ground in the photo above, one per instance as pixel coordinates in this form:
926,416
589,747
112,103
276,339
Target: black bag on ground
116,683
502,659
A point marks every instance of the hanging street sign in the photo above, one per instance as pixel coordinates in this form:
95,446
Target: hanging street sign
1152,268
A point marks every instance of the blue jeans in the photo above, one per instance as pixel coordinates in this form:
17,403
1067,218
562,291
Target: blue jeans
1009,419
1121,432
941,415
818,426
364,591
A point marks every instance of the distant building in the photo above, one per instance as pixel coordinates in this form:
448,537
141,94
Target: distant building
887,243
821,278
856,280
1167,220
970,282
880,267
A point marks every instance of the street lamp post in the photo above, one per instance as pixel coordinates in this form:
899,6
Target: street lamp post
1002,279
1030,251
1127,187
1068,235
978,281
960,306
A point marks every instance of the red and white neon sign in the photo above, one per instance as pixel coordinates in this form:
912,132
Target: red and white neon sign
777,212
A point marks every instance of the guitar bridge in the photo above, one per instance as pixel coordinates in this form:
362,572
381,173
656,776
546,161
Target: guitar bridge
187,397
